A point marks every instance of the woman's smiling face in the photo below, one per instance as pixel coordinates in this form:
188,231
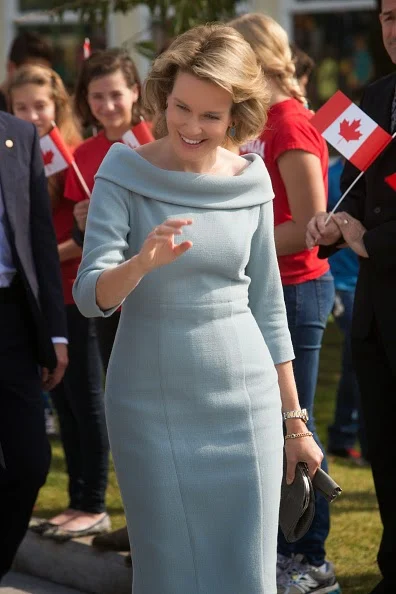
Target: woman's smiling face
198,116
111,101
33,103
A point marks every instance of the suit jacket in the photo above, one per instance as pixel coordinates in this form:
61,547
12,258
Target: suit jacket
373,202
31,233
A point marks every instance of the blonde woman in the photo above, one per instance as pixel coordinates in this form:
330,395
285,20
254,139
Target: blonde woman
201,365
296,157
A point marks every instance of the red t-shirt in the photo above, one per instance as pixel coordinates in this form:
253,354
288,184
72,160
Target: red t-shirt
88,158
288,128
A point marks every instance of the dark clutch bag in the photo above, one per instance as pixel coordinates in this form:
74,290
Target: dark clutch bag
297,505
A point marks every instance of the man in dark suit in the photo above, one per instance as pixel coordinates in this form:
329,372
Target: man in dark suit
368,225
33,351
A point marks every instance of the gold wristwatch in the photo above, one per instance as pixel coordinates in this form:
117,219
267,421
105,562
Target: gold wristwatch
296,414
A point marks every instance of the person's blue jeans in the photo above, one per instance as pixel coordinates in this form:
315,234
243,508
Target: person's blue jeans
79,402
347,426
308,307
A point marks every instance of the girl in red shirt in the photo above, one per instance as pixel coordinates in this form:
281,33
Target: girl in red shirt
107,97
38,95
296,156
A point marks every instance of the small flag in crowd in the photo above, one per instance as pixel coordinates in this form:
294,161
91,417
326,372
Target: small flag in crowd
87,48
391,181
138,135
349,130
56,155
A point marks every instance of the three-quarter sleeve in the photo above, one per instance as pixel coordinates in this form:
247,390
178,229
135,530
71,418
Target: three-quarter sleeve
105,243
266,299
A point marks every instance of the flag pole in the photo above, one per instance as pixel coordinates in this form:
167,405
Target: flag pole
343,196
81,179
347,191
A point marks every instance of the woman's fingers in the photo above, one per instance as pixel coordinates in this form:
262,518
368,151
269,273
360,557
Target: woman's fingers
178,250
166,230
175,223
321,219
170,227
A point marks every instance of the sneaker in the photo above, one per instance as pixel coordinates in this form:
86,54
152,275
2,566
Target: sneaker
304,578
285,567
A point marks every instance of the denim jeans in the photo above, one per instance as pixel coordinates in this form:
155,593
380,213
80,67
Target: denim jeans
79,402
347,426
308,307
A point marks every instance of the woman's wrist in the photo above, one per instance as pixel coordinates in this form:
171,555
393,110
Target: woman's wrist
295,425
137,267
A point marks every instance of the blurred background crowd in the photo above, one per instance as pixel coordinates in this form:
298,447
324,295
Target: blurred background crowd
341,36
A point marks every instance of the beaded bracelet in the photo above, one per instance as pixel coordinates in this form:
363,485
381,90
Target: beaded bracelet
295,435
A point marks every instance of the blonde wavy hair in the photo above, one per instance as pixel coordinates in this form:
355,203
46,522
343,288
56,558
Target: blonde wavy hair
32,74
270,43
216,53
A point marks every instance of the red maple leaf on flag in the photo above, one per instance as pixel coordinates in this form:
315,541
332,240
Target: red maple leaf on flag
350,130
48,157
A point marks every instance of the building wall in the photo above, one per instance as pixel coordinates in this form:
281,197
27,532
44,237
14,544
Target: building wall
125,29
278,9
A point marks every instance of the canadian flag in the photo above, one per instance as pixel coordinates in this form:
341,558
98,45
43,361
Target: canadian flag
349,130
138,135
56,155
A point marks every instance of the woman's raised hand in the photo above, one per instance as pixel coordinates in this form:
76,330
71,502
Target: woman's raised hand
159,247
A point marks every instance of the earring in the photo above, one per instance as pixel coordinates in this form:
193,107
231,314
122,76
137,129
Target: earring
232,131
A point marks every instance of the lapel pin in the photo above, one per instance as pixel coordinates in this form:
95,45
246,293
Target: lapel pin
9,143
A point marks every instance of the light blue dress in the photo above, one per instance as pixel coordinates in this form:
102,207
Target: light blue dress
192,399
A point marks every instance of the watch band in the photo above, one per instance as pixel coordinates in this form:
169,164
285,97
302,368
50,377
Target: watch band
296,414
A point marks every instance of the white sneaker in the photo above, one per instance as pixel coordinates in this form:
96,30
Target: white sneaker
285,567
300,577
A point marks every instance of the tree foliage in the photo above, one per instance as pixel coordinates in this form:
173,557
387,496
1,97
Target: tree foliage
168,17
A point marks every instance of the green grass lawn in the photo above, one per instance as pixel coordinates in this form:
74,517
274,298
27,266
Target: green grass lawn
355,524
